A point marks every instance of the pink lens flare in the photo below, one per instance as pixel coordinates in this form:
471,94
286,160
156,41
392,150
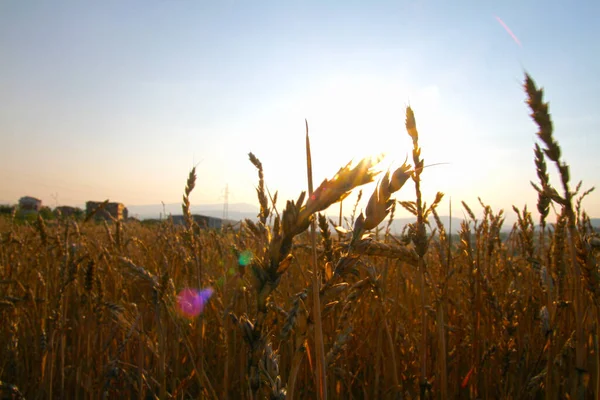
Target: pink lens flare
191,302
507,29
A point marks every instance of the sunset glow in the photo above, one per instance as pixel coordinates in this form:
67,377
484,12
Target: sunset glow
119,101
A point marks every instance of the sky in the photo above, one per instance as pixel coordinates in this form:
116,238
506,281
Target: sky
119,100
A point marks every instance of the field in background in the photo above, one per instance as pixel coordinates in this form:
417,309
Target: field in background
94,310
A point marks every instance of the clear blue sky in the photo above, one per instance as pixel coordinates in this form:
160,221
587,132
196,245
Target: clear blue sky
119,100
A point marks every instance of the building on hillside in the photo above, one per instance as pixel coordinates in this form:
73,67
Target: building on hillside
208,222
202,220
116,211
28,203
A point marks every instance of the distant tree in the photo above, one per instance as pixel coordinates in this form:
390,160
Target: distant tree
63,212
151,222
25,215
79,213
6,209
46,213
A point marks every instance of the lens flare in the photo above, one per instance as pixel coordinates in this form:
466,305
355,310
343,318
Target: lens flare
507,29
191,302
245,258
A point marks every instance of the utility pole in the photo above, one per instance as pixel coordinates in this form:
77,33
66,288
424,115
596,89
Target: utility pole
226,203
55,197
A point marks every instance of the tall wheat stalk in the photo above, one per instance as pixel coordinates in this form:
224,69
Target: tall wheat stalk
419,237
316,286
541,116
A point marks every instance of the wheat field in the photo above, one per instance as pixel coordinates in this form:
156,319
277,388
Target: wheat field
292,308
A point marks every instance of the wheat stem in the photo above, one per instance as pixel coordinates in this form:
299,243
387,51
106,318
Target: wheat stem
319,345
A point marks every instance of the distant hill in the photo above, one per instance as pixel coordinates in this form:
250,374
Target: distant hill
399,224
237,211
241,211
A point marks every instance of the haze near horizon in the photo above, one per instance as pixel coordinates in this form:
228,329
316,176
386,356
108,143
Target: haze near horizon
119,100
